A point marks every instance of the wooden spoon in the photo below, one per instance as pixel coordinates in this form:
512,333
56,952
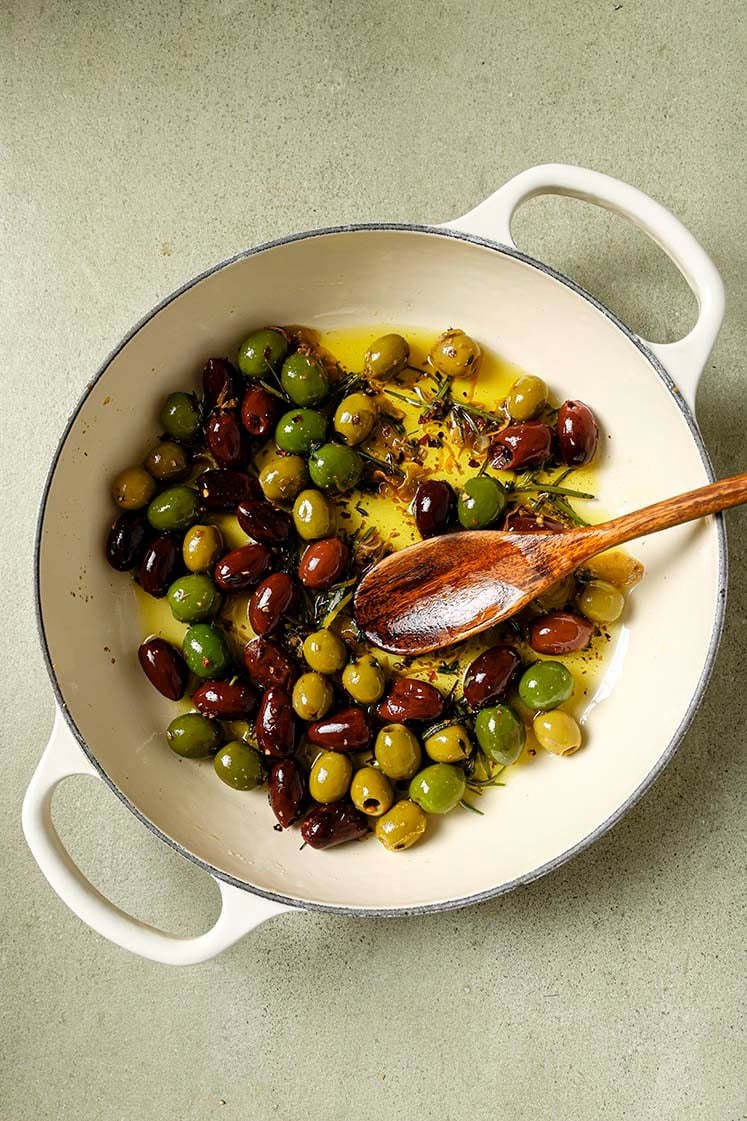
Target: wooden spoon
448,588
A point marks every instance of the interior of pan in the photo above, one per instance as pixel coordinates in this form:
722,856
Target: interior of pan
425,279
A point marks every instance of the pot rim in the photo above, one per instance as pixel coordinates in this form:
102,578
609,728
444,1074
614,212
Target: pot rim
695,699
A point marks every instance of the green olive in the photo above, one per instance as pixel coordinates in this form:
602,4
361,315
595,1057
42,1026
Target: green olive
557,732
545,685
500,733
325,652
455,354
397,752
304,379
206,651
262,353
313,516
283,477
386,357
194,736
600,602
300,430
451,745
330,775
193,598
175,508
239,766
364,680
335,467
133,488
526,397
481,501
202,547
371,791
355,417
439,788
167,462
312,696
180,417
402,826
556,596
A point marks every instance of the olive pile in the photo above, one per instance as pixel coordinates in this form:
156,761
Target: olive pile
341,747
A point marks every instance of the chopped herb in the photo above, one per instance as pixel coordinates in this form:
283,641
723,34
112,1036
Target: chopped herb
448,667
383,465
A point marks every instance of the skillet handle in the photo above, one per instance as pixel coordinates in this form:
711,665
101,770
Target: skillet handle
241,911
684,360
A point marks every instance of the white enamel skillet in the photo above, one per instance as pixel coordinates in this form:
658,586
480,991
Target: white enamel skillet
109,720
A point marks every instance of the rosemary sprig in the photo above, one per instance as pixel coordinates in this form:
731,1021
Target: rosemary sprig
387,468
550,488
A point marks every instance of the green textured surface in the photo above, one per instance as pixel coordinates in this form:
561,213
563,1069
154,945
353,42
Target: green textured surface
139,143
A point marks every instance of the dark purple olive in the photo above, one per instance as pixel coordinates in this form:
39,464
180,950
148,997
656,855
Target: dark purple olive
326,826
323,564
522,520
527,444
489,676
346,730
269,665
164,667
287,791
228,700
221,489
410,699
263,522
276,725
578,433
127,540
227,438
260,411
222,384
161,565
560,632
434,507
270,601
242,568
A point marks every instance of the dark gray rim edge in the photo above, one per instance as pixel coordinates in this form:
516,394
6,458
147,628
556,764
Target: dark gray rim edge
590,838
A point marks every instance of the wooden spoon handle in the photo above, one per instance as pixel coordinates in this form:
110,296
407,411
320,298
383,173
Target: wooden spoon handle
663,515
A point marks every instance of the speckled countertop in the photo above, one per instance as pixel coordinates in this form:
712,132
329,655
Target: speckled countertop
141,142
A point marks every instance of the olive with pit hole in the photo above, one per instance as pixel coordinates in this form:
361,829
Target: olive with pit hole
194,736
221,489
522,445
283,477
260,411
411,699
193,598
455,354
312,515
168,462
127,540
364,680
346,730
180,417
323,564
371,792
269,665
327,826
276,725
434,507
324,651
164,667
243,568
227,439
577,432
402,826
174,509
488,677
526,397
239,766
160,565
557,732
201,547
312,696
355,418
449,745
262,353
226,700
222,385
265,523
206,652
386,357
397,752
329,779
270,603
559,632
133,488
287,791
